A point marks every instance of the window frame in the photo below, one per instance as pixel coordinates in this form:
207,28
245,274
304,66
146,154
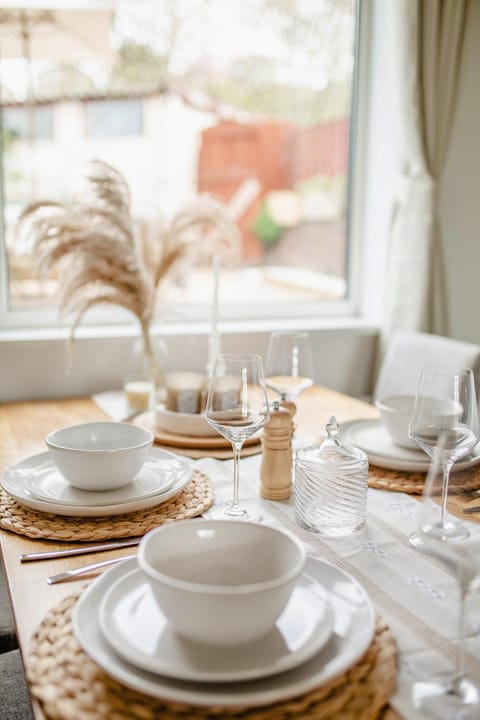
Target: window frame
304,313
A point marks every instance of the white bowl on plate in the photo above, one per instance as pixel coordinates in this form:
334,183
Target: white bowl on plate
98,456
221,582
179,423
395,414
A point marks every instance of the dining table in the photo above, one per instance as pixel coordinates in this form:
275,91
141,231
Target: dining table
416,597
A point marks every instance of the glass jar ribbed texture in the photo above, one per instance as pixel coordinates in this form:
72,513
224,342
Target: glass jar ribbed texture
331,482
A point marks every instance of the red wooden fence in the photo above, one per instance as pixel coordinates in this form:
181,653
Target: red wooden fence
277,154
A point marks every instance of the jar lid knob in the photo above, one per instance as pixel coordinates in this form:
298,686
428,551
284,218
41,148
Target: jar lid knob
332,427
331,451
332,433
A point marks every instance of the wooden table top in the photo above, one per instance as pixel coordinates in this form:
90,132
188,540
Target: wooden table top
23,427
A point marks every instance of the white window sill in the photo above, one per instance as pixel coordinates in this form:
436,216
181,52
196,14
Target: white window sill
183,329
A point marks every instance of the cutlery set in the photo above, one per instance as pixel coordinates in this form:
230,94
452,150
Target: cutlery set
72,552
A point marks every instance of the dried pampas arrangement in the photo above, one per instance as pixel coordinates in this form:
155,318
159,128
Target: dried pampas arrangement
92,243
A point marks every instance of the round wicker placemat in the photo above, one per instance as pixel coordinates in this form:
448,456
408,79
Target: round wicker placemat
193,500
70,686
413,482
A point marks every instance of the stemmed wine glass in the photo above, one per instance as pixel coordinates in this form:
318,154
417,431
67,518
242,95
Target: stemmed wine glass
453,695
237,407
289,364
445,403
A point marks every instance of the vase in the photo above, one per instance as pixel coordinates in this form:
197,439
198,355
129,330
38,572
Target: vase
144,382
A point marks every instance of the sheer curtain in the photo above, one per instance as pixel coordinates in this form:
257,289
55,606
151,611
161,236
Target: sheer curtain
428,36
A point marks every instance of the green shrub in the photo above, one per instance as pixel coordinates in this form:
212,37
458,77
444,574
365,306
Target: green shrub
265,227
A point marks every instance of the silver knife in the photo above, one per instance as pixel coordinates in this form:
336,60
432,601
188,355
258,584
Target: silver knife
472,510
68,552
52,579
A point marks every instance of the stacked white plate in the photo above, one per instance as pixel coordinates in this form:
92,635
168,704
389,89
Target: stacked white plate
327,625
372,437
37,483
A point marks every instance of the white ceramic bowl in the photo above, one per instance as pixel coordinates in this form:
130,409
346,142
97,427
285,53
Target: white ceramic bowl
99,456
193,424
395,414
221,582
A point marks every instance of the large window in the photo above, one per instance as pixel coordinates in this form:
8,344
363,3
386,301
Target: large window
248,102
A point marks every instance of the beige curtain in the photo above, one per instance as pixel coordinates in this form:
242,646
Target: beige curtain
428,39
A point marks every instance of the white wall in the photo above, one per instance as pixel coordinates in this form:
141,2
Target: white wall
460,197
30,368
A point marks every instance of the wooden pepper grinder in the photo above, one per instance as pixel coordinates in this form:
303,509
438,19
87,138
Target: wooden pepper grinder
276,464
291,407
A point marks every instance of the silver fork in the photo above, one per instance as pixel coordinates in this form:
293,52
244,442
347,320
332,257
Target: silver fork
74,572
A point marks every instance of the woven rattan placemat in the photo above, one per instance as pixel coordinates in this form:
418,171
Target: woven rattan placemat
413,482
193,500
70,686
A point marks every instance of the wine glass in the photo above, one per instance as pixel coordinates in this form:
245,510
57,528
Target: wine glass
289,364
452,695
445,403
237,407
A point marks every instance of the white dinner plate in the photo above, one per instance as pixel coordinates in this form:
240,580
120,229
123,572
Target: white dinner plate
353,630
139,632
13,481
157,475
372,437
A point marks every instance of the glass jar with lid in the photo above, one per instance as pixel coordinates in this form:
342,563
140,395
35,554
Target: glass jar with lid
331,481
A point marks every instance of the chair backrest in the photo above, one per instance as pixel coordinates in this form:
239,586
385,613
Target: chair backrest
409,352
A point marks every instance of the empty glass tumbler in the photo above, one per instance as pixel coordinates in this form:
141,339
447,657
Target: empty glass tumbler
331,482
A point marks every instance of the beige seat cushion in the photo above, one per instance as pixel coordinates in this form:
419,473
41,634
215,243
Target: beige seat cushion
408,353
